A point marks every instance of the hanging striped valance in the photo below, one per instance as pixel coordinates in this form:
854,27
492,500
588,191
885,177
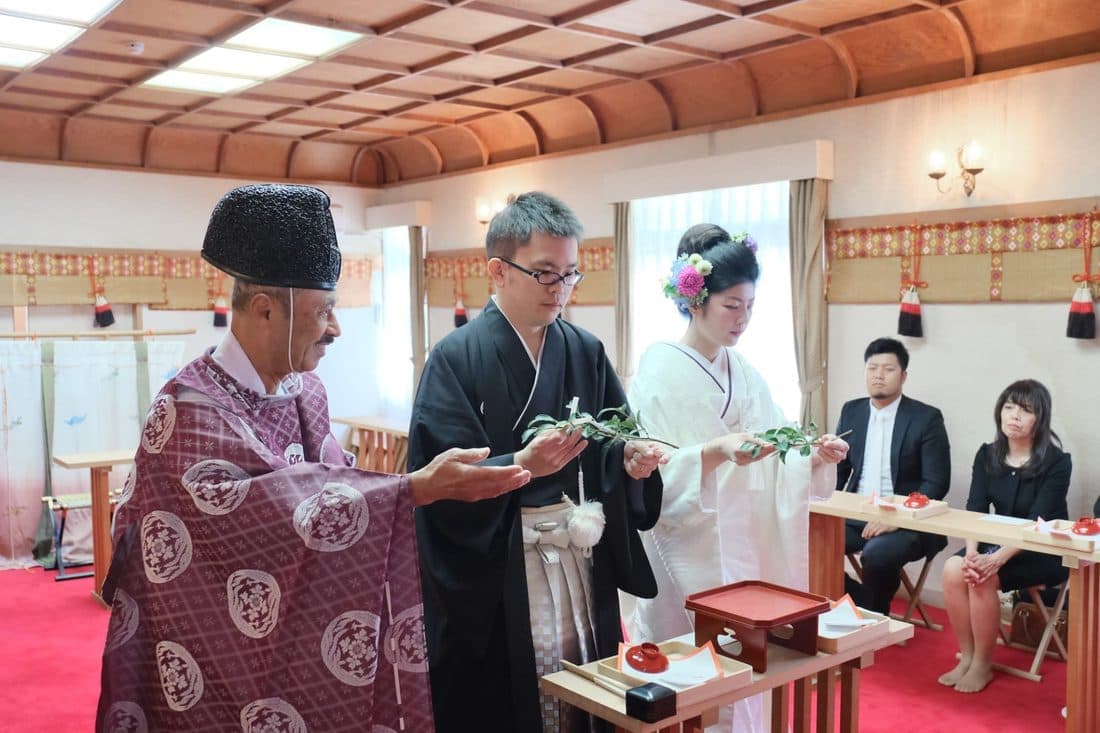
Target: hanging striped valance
162,281
450,275
1017,259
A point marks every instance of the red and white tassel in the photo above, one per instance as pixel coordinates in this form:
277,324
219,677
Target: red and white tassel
909,318
460,314
104,316
1082,315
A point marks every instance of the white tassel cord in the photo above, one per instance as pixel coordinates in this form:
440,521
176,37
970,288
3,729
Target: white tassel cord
586,520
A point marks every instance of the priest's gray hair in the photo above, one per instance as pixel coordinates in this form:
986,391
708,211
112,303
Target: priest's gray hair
243,292
526,214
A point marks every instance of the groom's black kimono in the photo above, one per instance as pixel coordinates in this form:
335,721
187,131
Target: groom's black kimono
476,383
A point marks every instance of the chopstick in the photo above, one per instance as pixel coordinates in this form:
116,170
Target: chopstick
607,683
845,433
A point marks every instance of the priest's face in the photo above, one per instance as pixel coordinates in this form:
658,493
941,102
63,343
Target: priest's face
527,302
884,377
725,315
314,328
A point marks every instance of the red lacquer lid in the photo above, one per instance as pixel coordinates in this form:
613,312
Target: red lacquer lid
1086,526
916,500
647,658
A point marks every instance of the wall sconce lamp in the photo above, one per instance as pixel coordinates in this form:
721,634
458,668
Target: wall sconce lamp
486,211
970,165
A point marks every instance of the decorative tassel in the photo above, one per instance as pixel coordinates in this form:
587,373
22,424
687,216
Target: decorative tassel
586,520
460,293
909,318
221,313
1082,316
104,316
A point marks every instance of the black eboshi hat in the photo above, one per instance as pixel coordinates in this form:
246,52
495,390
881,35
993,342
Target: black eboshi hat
275,234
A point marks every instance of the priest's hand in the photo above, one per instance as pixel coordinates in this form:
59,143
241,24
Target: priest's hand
641,458
550,451
455,474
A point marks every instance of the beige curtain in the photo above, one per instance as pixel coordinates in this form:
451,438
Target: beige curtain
809,200
623,355
418,249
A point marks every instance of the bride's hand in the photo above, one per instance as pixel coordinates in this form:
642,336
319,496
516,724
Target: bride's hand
831,449
738,447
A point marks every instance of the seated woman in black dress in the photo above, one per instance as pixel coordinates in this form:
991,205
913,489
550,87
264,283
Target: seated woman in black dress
1022,473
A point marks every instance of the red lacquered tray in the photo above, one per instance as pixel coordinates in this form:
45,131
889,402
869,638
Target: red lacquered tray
754,610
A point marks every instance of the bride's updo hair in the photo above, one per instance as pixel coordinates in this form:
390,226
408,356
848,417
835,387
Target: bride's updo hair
732,261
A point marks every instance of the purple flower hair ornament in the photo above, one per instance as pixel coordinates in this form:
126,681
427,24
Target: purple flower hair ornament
746,239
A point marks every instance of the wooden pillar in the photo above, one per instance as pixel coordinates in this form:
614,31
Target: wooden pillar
101,526
826,703
1083,675
849,696
826,555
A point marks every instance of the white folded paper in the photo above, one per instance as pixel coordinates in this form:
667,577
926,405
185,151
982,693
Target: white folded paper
681,673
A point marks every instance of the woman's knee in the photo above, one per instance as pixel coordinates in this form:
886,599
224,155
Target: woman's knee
953,573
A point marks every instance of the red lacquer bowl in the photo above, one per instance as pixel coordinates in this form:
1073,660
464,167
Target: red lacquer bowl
1086,526
916,500
646,658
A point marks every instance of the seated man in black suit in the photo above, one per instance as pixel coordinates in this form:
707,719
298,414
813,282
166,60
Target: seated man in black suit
898,445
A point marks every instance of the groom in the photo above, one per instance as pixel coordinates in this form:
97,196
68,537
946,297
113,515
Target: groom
511,584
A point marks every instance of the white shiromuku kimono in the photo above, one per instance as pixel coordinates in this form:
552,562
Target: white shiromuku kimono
737,523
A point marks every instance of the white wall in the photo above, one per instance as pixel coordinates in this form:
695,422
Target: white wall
45,205
1038,135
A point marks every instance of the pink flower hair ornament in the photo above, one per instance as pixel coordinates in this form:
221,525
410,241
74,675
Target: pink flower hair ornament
686,283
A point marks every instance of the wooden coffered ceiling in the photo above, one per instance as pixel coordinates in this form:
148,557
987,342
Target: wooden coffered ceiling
437,86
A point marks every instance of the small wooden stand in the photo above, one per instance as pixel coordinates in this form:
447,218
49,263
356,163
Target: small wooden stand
755,611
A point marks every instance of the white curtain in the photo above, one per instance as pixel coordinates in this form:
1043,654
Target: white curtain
22,451
165,358
762,211
395,365
95,407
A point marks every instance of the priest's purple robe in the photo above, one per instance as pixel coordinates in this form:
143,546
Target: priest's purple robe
259,582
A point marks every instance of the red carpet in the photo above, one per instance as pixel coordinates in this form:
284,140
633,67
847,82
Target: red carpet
53,638
900,692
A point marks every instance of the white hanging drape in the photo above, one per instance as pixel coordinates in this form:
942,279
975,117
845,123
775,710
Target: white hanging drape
22,451
95,407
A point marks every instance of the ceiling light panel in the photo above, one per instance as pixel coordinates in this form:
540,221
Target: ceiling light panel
37,35
17,58
78,11
284,36
248,64
197,82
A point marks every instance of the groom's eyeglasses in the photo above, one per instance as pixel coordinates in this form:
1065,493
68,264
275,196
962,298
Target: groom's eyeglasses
547,277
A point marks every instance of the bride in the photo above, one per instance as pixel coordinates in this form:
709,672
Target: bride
727,515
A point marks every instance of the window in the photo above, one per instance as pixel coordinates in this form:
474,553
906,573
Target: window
762,211
395,371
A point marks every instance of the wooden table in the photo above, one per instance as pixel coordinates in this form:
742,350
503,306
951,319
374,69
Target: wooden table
383,441
786,668
1083,678
100,463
